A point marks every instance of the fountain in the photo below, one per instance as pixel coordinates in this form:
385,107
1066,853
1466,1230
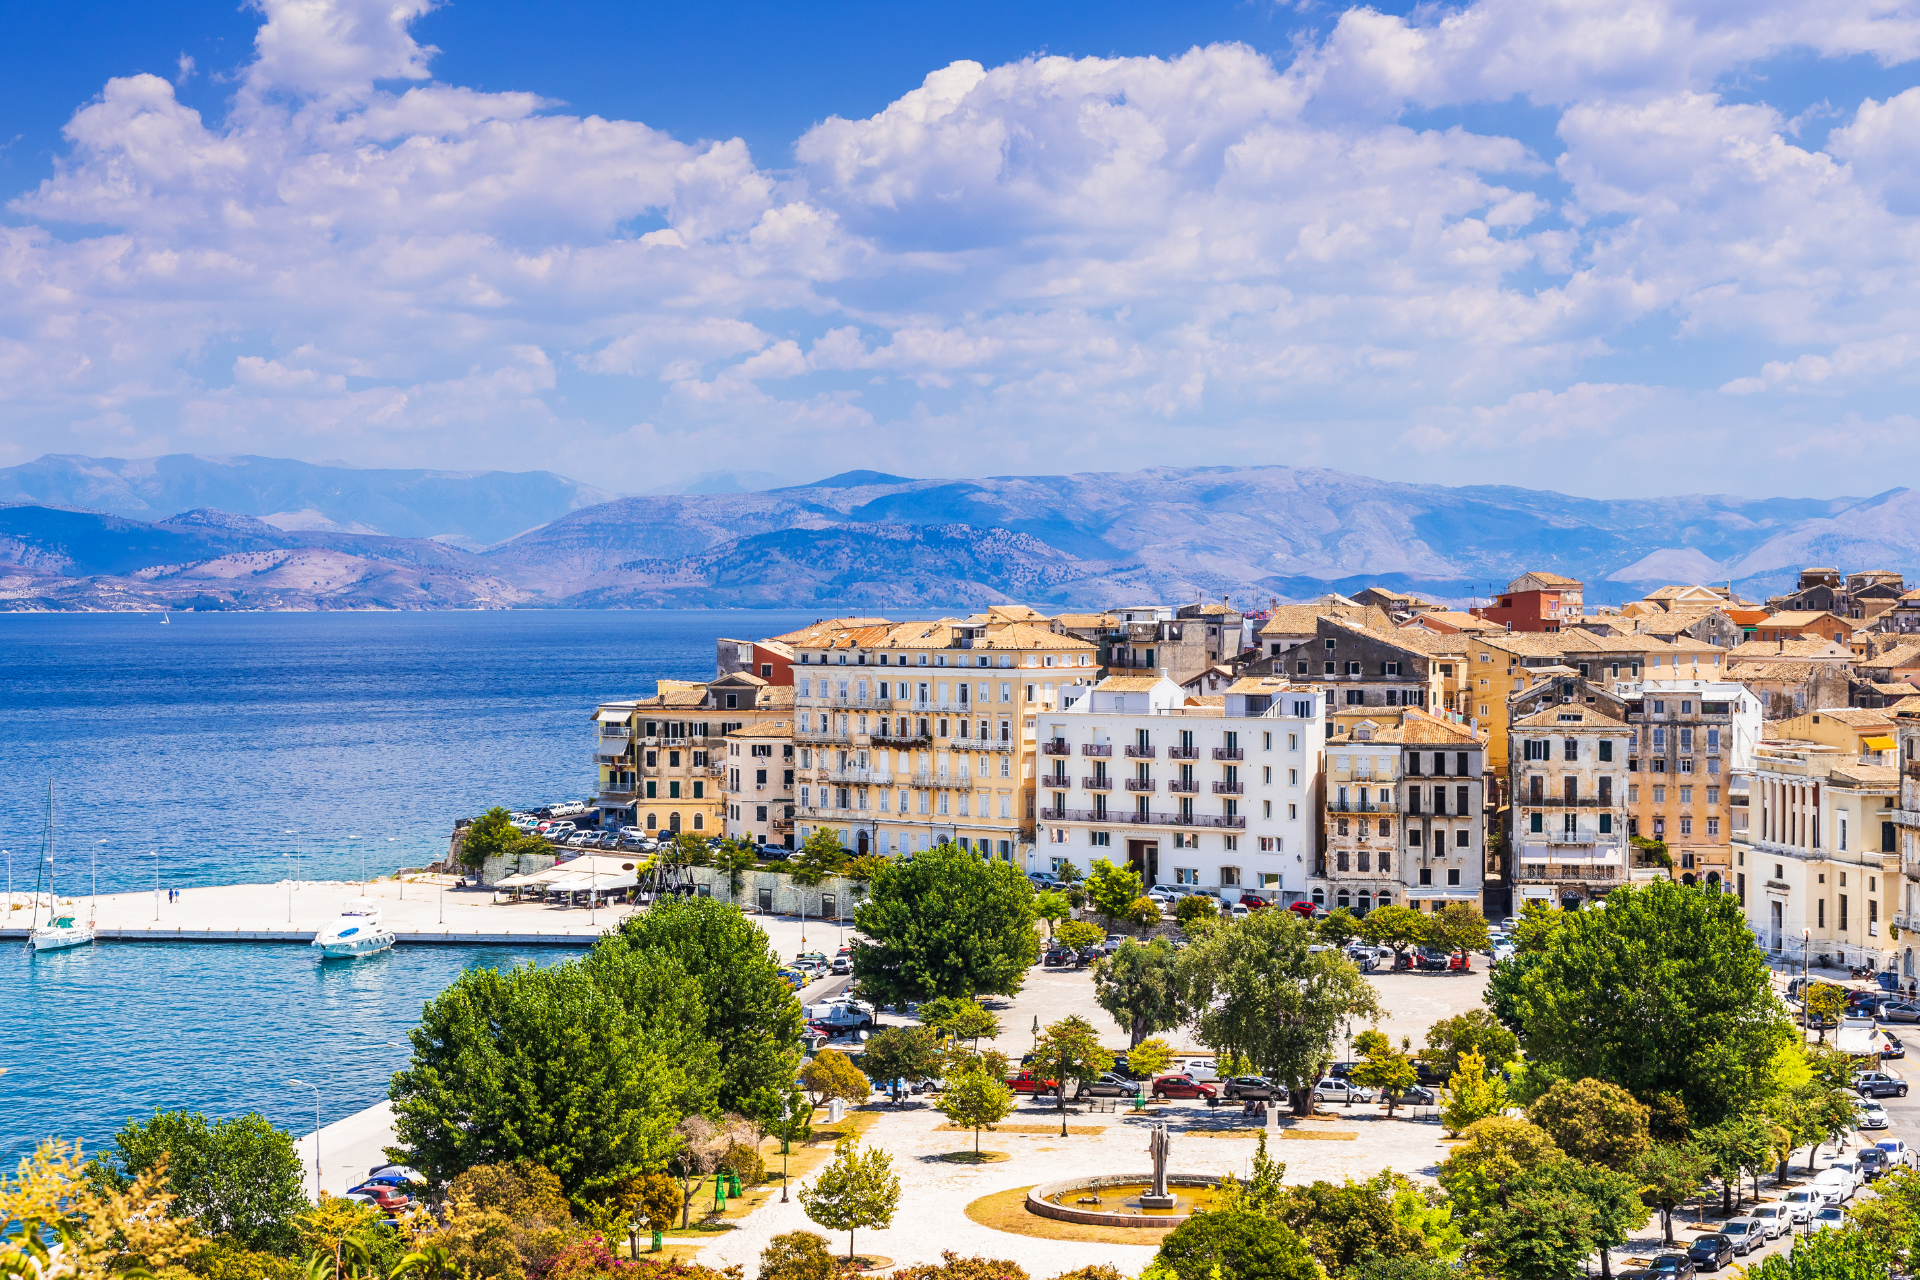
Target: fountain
1128,1200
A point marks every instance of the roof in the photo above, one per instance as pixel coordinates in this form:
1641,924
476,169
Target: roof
1414,727
1855,717
765,729
1901,655
1866,775
1772,670
1090,621
1304,619
816,634
1797,618
1021,635
1128,684
739,677
1560,715
1548,579
1210,610
1207,701
1260,684
1451,618
1751,649
687,699
1890,688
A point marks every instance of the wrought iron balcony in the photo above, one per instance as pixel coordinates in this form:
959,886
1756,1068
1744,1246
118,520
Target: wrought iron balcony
1229,753
1229,788
1099,782
1056,747
1142,784
1179,787
1183,753
1102,749
1142,753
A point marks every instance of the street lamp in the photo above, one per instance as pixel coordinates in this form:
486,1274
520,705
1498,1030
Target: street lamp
302,1084
284,854
156,883
296,852
403,882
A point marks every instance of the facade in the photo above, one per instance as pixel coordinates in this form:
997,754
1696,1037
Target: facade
1862,597
1403,816
1361,670
659,759
1290,625
771,660
912,734
1791,676
1568,783
1823,857
1804,625
1218,798
1692,751
1906,821
757,781
1537,602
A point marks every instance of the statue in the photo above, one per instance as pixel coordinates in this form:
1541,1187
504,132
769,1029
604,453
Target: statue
1159,1142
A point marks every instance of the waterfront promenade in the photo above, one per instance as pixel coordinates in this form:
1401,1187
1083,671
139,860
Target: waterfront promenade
421,910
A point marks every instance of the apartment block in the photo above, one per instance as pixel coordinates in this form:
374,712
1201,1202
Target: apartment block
1568,783
659,759
1537,602
1690,756
757,783
1221,798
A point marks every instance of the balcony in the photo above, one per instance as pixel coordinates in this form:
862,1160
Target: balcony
1183,753
1363,806
1058,747
1180,787
1058,781
1117,818
1561,802
1906,817
1229,753
1099,782
1101,749
1141,753
1229,788
1566,871
1142,784
862,777
909,743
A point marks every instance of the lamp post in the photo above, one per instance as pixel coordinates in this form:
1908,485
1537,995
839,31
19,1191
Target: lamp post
289,888
156,883
296,852
403,883
302,1084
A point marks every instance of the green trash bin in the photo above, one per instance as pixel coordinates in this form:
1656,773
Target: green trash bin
656,1242
733,1185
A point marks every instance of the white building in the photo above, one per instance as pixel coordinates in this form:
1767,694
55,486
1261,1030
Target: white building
1220,798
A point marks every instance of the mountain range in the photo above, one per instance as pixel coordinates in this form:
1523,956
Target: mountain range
250,532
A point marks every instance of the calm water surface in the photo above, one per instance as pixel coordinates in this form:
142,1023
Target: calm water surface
204,742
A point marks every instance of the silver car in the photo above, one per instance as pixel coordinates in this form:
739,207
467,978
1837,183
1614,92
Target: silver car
1333,1089
1746,1233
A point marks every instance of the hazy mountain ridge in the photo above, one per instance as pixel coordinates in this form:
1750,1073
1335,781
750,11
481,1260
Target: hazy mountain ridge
881,542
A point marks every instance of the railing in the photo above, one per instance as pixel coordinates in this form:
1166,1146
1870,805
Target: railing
1141,753
1099,782
1183,753
1363,806
1144,819
1142,784
1229,753
1551,871
907,743
1906,817
1058,781
1188,788
1911,768
1101,749
1229,788
1561,802
1057,748
862,777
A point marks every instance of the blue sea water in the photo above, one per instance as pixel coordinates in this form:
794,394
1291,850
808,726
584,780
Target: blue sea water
205,741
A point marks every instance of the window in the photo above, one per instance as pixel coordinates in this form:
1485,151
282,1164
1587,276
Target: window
1606,750
1426,875
1606,824
1570,749
1353,668
1535,823
1713,826
1686,825
1453,875
1100,839
1461,840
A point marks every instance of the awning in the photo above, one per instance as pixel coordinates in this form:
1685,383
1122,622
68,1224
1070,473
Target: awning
1877,744
613,717
602,883
526,878
613,746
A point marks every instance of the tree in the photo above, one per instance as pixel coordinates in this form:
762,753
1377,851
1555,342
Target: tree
1732,1147
863,869
1262,1192
1824,1004
1594,1121
1139,986
961,1017
1069,1050
1150,1058
974,1100
901,1054
704,1145
1143,913
100,1230
798,1255
750,1016
1234,1245
1612,1196
1664,991
1457,927
582,1067
1340,928
1113,889
733,859
237,1178
832,1075
1668,1174
1195,913
1393,925
1078,935
945,924
493,835
1389,1070
1829,1255
1341,1223
1654,851
819,858
1267,997
1542,1235
1472,1096
1497,1151
1475,1031
1891,1218
859,1189
1053,908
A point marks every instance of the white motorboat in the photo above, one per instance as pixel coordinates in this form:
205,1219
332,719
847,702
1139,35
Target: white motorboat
60,933
356,932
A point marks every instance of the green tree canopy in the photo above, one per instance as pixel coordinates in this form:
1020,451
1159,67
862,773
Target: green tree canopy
581,1067
1612,1196
1542,1234
1339,928
1268,998
1053,908
961,1017
1079,935
1457,927
976,1099
493,835
831,1075
1195,913
1594,1121
1393,925
1497,1151
750,1013
1235,1245
859,1189
1139,986
1668,1174
733,859
820,856
902,1053
1113,889
1389,1070
1069,1050
1663,991
1475,1031
1341,1223
238,1178
1151,1057
945,924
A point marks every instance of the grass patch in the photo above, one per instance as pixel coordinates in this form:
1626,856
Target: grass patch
803,1160
1053,1129
975,1157
1007,1211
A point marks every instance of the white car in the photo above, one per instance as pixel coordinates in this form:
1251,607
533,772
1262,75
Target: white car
1238,911
1835,1186
1899,1154
1872,1115
1853,1169
1774,1220
1801,1205
1334,1089
1831,1216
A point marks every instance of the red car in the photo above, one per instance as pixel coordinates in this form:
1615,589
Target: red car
1303,908
1460,962
1182,1086
1027,1082
391,1199
1252,901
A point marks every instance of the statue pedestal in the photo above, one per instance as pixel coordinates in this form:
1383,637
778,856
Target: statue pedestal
1151,1201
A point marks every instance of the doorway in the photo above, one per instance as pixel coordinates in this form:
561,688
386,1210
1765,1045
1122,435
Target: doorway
1778,925
1144,857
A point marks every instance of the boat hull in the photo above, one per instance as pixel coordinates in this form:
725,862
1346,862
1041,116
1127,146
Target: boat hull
368,944
60,940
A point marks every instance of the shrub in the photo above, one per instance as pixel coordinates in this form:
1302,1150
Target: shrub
1236,1245
798,1255
747,1163
954,1267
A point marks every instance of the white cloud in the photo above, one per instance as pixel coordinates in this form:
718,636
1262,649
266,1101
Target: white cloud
1204,258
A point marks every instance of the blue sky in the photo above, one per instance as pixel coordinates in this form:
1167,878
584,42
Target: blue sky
1611,248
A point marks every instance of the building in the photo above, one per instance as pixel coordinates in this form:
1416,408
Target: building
1403,815
1800,624
1218,798
1823,856
1290,625
907,735
1448,622
1863,597
1870,735
1792,675
771,660
659,759
1197,638
1711,625
1906,820
1568,788
1361,670
1692,753
1536,602
757,783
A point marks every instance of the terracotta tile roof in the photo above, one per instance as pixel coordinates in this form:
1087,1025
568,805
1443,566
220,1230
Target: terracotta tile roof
814,635
1550,579
1744,671
1797,618
1751,649
1854,717
1021,635
692,699
1128,684
1304,619
778,697
1207,701
738,678
1554,716
1413,727
1260,684
1866,775
1891,688
1903,655
766,729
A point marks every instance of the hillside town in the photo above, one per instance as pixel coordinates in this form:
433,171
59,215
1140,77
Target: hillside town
1346,752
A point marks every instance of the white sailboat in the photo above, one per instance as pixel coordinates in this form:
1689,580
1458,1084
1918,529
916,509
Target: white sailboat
60,932
357,931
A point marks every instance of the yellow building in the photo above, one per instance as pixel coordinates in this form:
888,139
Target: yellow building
659,759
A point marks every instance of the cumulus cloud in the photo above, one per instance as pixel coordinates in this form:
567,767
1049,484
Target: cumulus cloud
1213,257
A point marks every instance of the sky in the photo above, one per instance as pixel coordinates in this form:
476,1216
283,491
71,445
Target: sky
1609,247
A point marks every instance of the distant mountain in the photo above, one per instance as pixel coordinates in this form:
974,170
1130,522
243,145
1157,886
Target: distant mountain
725,482
879,542
471,508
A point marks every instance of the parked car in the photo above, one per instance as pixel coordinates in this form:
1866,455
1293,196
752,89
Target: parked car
1108,1085
1800,1204
1362,958
1431,1076
1880,1084
1028,1082
1252,901
1873,1162
1828,1218
1746,1233
1853,1168
838,1019
1113,942
1164,893
1341,1070
843,964
1334,1090
383,1196
1898,1011
1835,1186
1711,1252
1417,1096
1672,1266
1773,1220
1898,1153
1044,881
1460,962
1432,959
1058,958
1871,1115
1252,1088
1184,1086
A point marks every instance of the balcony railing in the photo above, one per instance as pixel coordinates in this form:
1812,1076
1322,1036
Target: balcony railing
1229,788
1056,747
1102,749
1180,787
1144,819
1565,871
1229,753
1183,753
1099,782
1141,753
906,744
1363,806
1142,784
862,777
1058,781
1561,802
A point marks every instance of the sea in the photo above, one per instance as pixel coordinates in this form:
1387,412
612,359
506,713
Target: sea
225,748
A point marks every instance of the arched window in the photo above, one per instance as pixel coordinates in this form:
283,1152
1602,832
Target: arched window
652,822
673,822
1320,900
699,821
1343,900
